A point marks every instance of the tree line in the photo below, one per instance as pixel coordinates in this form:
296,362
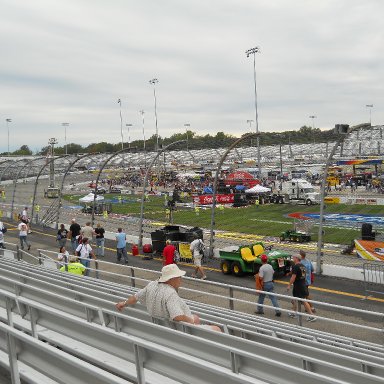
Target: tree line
305,135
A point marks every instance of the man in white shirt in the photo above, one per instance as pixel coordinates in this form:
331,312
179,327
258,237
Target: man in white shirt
162,300
266,277
197,247
23,233
85,252
25,219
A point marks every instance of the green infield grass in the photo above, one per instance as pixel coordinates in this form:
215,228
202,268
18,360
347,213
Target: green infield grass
265,220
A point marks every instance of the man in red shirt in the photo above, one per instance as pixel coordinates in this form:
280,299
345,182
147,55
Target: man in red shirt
168,253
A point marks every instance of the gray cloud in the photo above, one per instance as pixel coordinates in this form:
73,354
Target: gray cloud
71,60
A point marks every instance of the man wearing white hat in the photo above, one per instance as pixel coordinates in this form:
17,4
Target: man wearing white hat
162,300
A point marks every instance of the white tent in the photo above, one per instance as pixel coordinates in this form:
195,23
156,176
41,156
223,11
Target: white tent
89,198
258,189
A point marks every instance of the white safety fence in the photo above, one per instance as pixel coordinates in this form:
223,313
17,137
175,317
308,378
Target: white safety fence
51,306
231,296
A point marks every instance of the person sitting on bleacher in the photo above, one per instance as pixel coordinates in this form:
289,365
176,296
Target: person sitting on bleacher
74,266
162,300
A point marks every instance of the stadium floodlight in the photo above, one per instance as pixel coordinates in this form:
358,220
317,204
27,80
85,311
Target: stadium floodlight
8,121
154,81
65,125
129,134
253,51
187,126
121,125
370,106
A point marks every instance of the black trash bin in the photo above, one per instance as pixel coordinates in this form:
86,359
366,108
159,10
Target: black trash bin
366,232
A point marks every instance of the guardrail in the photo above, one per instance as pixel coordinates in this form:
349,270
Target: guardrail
109,332
132,279
373,278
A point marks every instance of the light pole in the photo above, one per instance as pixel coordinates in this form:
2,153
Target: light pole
129,135
370,106
121,125
8,121
313,117
187,125
250,127
65,125
154,82
253,52
142,120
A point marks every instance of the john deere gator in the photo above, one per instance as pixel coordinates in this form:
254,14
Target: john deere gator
246,259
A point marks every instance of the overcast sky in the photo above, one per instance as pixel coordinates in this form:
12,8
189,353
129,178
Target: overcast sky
71,60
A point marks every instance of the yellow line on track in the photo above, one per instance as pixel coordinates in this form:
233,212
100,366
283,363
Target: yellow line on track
333,291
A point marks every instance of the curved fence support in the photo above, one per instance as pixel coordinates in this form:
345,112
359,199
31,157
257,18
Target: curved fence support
17,177
64,177
162,150
37,180
9,166
339,142
222,159
118,153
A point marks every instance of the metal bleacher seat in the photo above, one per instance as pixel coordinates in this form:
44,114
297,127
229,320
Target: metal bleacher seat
104,294
79,300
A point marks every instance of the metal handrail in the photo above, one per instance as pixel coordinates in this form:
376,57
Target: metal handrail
232,299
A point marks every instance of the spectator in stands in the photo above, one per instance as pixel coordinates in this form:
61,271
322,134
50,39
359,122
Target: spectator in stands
121,247
299,287
25,219
74,233
2,231
85,252
23,233
169,253
162,300
266,279
197,248
74,266
87,231
62,257
309,273
99,233
62,236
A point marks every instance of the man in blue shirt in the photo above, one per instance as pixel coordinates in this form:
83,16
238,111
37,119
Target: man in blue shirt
121,250
308,277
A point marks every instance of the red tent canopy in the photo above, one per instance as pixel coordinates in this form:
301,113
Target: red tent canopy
241,177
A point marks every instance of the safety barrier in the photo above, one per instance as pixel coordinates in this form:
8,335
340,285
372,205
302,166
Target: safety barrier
109,347
105,294
226,293
373,278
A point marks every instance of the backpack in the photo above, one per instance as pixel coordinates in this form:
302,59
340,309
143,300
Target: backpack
176,257
200,246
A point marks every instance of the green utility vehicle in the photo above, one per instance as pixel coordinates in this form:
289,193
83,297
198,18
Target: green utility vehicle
295,236
246,259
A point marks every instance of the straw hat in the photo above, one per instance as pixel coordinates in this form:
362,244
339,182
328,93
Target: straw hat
169,272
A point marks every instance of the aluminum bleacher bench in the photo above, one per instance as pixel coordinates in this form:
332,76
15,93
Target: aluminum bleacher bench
109,349
105,294
94,314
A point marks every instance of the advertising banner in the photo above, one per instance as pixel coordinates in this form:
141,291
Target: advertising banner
220,199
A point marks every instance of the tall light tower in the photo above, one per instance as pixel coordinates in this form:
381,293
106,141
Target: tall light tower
313,117
142,112
154,82
253,52
65,125
370,106
121,125
8,121
187,125
129,134
250,127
